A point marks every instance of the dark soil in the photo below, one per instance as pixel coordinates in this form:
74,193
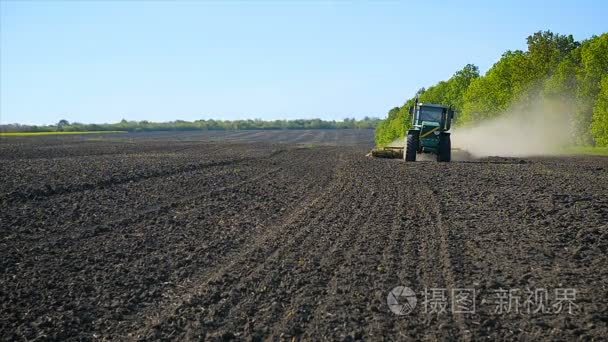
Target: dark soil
266,234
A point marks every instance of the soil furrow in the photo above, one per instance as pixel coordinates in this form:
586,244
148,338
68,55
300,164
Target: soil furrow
192,288
48,191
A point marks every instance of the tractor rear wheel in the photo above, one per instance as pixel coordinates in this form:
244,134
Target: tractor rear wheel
411,146
444,153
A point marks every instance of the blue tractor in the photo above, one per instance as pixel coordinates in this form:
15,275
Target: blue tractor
429,132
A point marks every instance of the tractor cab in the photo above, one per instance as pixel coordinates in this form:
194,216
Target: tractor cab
429,132
432,115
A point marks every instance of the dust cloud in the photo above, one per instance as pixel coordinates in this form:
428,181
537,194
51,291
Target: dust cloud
537,129
542,128
399,142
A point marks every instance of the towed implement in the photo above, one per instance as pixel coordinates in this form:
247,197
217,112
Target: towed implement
429,134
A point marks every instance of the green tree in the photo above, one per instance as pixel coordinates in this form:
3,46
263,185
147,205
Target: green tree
492,94
594,66
599,125
458,85
62,124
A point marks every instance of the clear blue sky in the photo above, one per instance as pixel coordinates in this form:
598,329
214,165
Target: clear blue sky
103,61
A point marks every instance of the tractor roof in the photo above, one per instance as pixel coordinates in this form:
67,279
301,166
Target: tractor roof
432,105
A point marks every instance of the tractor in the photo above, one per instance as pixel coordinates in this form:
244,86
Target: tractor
429,132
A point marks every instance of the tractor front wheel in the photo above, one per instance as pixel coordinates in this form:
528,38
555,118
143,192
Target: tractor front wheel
411,146
444,153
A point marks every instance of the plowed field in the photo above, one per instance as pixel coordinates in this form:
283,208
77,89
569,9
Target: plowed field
295,234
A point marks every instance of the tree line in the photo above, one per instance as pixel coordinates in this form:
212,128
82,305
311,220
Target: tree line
180,125
554,66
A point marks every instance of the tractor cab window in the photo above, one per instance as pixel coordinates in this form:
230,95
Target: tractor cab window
430,114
